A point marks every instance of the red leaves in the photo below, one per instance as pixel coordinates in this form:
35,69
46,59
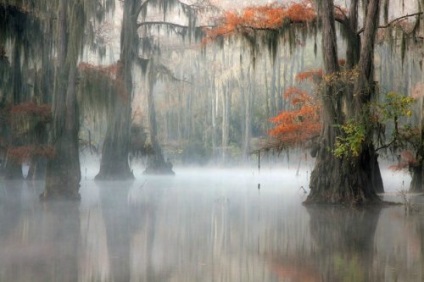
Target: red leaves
271,17
25,153
111,75
294,127
31,108
312,75
110,70
406,160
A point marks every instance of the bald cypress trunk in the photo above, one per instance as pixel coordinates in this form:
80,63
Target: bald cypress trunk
13,168
417,170
347,179
63,173
114,163
156,163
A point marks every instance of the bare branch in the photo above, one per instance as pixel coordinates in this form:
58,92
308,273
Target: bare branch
395,20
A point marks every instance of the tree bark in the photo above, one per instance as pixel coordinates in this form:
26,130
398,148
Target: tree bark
63,173
156,163
114,163
348,180
13,168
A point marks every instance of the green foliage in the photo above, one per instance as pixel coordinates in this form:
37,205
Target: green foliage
394,107
349,145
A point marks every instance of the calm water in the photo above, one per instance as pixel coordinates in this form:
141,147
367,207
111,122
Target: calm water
206,226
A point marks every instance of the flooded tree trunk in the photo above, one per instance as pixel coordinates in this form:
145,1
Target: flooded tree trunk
114,163
225,127
156,163
417,170
13,168
37,168
247,97
350,180
416,185
63,173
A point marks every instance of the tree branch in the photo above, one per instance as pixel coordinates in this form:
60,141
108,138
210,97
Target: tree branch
395,20
161,23
142,5
175,25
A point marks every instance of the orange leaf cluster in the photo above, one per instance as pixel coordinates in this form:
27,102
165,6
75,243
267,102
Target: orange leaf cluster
309,75
110,70
295,127
271,17
406,160
25,153
31,108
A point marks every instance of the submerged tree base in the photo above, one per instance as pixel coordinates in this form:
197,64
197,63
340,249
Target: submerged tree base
156,164
52,196
115,175
345,181
164,170
326,202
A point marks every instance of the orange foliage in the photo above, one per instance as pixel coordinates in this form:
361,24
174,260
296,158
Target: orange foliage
271,17
25,153
406,160
112,72
295,127
31,108
309,75
314,74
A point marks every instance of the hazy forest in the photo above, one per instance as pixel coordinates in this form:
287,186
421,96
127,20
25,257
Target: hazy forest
167,83
211,140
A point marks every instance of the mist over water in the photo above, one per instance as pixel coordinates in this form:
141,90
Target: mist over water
205,225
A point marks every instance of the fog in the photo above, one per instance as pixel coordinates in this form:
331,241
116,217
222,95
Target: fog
233,210
205,225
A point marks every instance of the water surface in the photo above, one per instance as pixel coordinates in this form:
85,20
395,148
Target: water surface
205,225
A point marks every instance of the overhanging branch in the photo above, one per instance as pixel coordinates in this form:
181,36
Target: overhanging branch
395,20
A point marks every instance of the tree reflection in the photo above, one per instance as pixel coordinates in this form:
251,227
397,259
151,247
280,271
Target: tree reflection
116,217
344,239
43,244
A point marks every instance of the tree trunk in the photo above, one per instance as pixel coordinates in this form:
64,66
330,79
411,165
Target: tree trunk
156,163
417,170
13,168
63,173
349,180
225,122
114,163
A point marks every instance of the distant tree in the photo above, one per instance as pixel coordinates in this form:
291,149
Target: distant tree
21,44
138,48
63,171
29,121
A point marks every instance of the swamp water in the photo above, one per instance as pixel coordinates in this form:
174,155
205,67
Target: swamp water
206,225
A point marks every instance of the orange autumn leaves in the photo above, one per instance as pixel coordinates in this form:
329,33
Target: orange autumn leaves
272,17
296,126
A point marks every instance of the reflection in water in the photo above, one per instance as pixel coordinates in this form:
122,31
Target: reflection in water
41,243
203,227
345,242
